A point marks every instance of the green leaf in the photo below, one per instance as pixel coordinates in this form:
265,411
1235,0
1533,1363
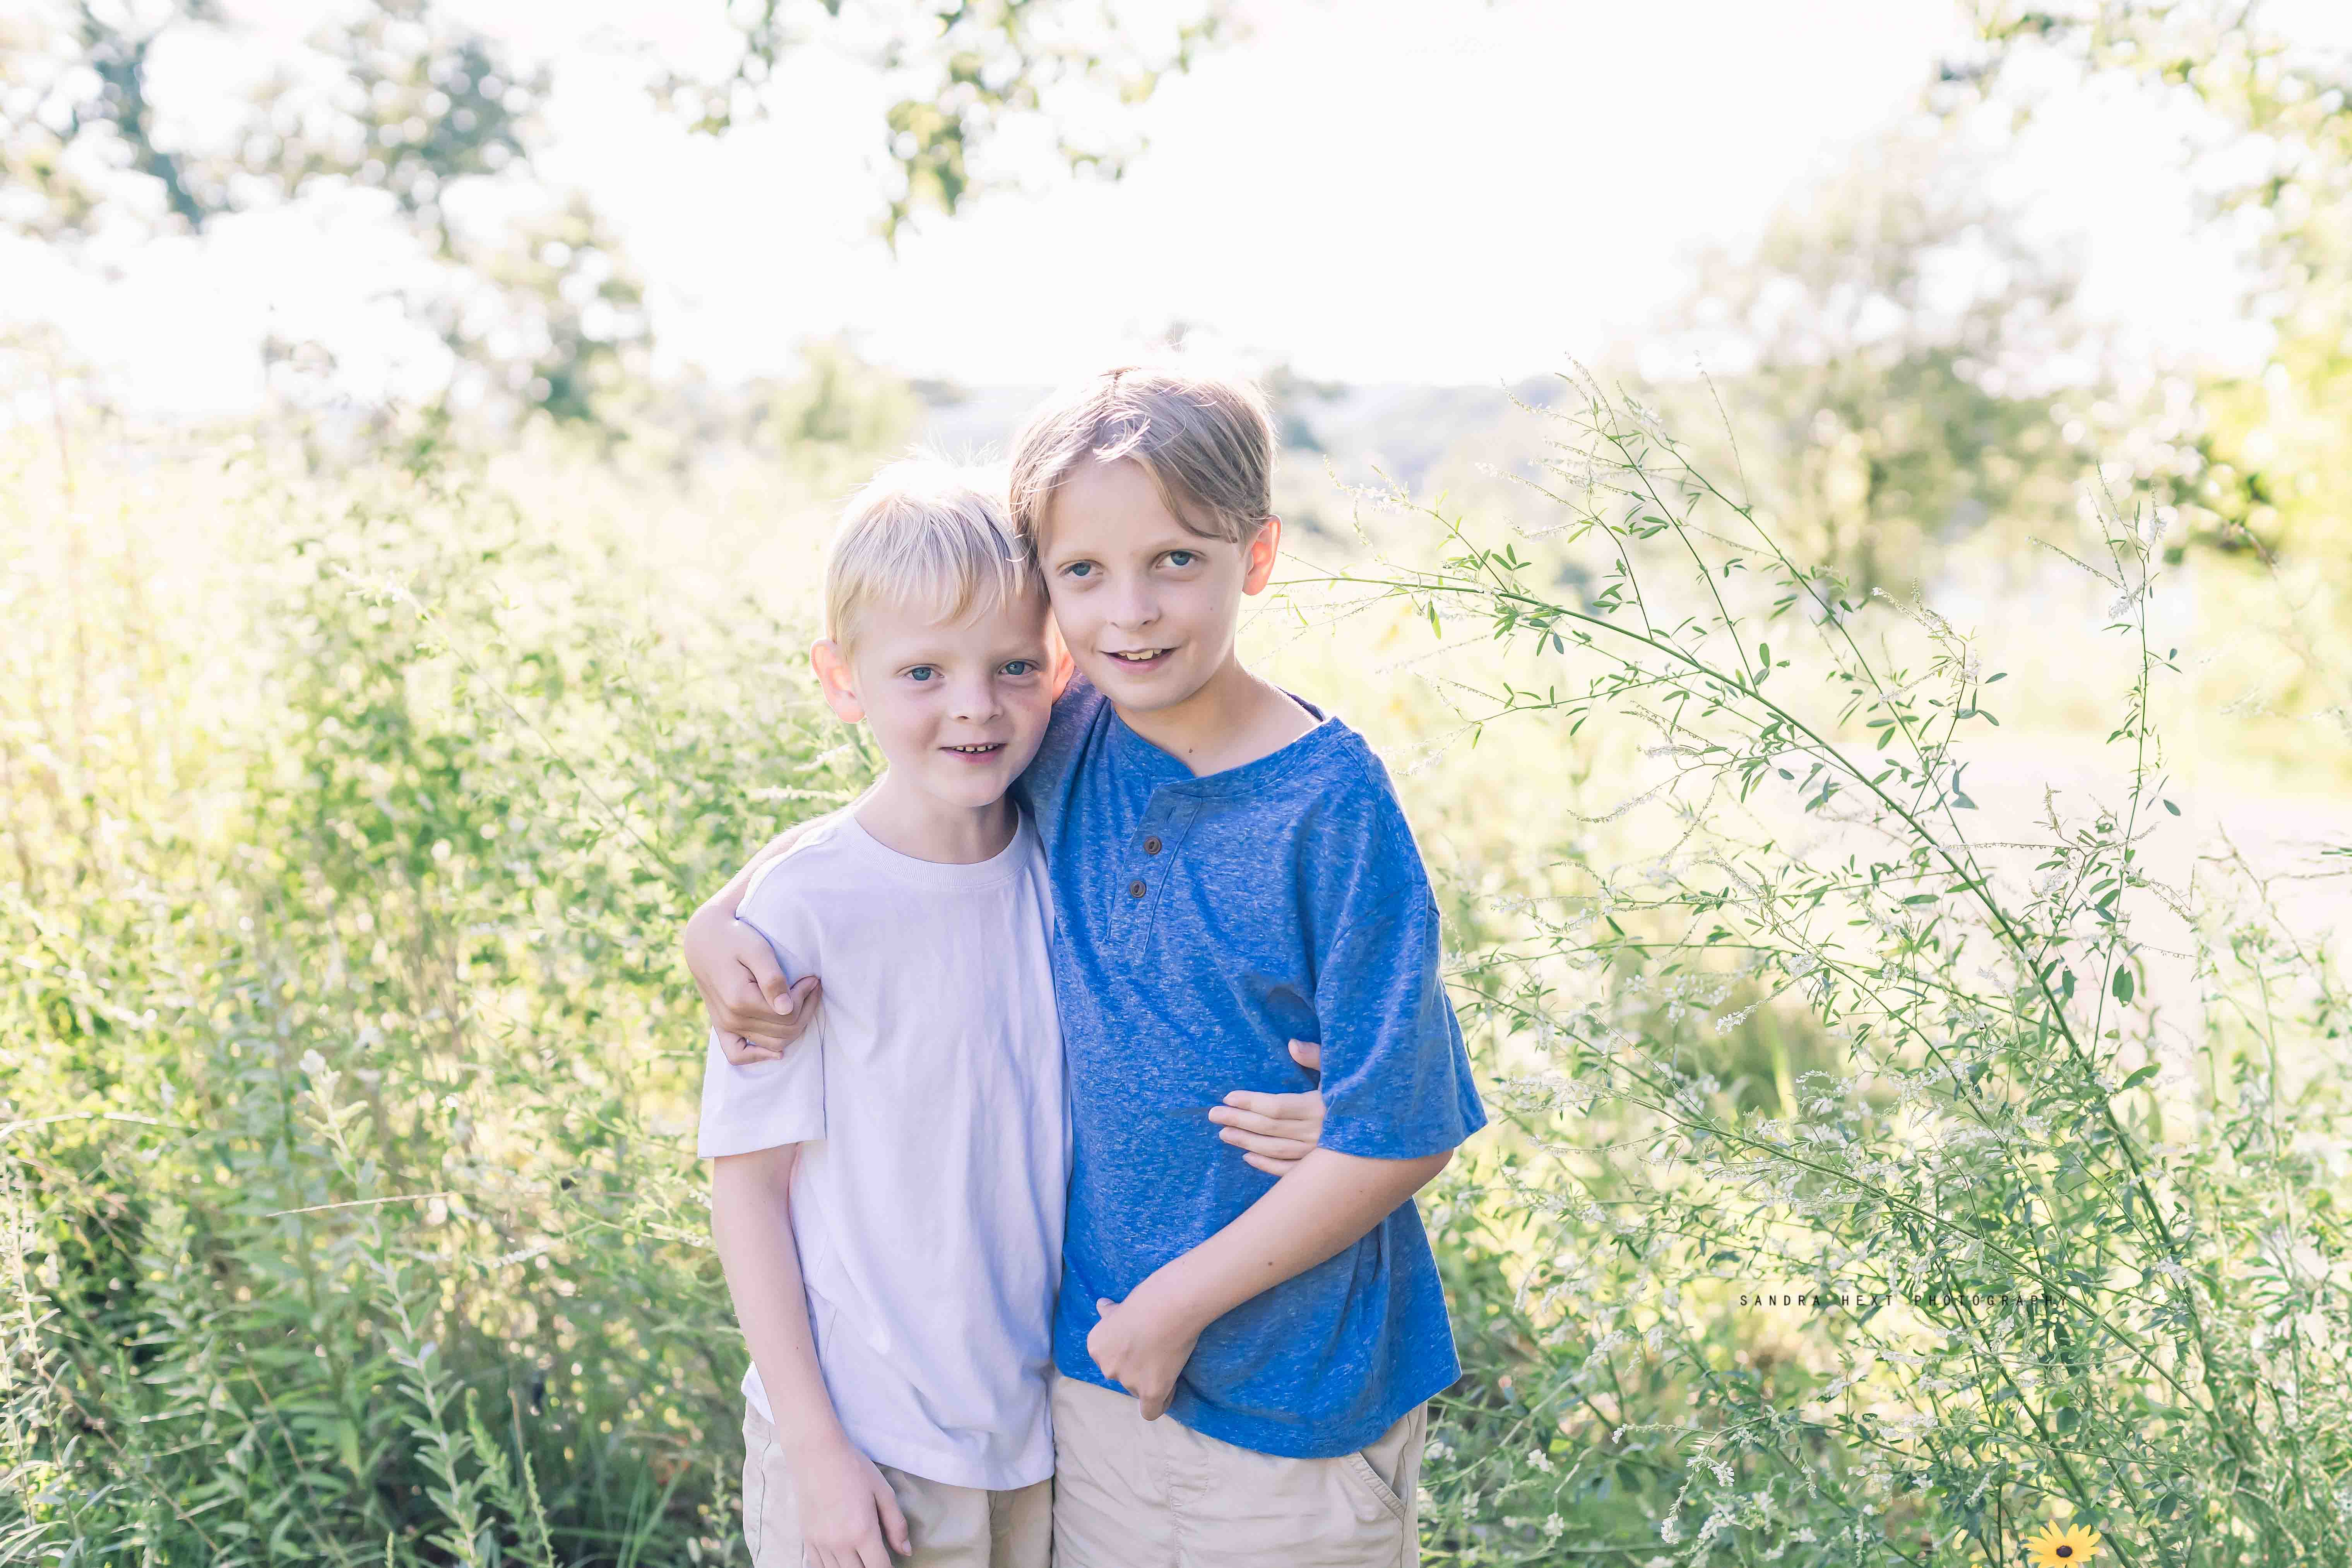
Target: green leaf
2138,1079
2172,808
2122,986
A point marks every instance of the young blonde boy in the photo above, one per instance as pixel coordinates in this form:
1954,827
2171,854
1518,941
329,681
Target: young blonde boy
1229,867
888,1197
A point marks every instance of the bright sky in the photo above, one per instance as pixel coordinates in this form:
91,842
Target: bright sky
1376,190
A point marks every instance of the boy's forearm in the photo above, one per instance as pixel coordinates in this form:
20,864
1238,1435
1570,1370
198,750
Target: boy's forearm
1326,1205
751,1222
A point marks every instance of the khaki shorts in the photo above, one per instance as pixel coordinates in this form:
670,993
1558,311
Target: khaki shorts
951,1527
1131,1493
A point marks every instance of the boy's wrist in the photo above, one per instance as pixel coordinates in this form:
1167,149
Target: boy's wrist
1173,1296
815,1438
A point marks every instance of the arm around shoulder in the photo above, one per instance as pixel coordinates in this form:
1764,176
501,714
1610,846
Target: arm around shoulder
756,1011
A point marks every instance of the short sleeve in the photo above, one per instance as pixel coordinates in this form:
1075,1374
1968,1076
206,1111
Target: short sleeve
767,1104
1396,1077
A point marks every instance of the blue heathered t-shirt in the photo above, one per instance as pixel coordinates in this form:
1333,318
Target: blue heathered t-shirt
1200,925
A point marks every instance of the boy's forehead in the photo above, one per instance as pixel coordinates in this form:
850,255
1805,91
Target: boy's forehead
1021,618
1109,504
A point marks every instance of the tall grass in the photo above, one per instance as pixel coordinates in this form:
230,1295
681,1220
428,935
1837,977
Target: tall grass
352,805
1887,1184
350,1212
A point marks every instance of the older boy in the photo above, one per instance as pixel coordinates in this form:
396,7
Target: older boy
1229,866
888,1199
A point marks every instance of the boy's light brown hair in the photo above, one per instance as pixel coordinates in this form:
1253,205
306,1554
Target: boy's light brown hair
1206,441
925,539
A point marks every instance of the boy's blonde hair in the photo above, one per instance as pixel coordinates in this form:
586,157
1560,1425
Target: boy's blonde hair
1206,441
923,538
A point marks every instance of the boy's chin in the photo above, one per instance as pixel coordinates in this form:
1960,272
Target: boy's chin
1143,692
980,787
967,794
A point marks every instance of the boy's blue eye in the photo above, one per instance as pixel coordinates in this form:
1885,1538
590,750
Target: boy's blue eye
922,672
1019,666
1183,557
1077,568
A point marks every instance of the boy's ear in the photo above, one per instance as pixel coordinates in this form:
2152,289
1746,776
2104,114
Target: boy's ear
833,677
1064,666
1263,551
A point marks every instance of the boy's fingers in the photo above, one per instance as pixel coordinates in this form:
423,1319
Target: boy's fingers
1273,1167
1279,1115
1249,1119
798,996
749,1013
754,956
743,1053
744,1010
1308,1054
893,1521
1259,1144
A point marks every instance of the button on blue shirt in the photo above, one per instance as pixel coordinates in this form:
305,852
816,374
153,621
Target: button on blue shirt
1200,925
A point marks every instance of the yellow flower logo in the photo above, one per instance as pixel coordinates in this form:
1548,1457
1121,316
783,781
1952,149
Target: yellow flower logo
2056,1548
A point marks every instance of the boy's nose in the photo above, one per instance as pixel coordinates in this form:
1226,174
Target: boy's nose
975,699
1138,606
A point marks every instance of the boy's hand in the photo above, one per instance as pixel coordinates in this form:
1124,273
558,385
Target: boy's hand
847,1509
756,1012
1274,1131
1142,1346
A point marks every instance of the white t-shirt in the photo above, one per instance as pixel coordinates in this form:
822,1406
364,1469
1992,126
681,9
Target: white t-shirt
927,1204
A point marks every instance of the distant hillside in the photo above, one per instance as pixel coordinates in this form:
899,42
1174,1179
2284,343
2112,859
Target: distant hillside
1402,430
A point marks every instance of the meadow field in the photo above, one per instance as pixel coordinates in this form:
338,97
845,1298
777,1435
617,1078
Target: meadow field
1914,1038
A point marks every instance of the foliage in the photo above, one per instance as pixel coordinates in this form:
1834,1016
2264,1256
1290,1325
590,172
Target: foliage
2274,146
962,75
121,122
1883,1183
350,1210
353,807
1885,350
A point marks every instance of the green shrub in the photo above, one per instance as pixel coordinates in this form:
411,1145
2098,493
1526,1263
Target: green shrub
346,1067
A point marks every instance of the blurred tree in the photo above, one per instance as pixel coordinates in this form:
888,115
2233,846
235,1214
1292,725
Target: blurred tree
406,99
1883,353
2270,132
1293,397
962,71
841,411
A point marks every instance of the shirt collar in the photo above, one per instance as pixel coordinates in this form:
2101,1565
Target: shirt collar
1165,771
